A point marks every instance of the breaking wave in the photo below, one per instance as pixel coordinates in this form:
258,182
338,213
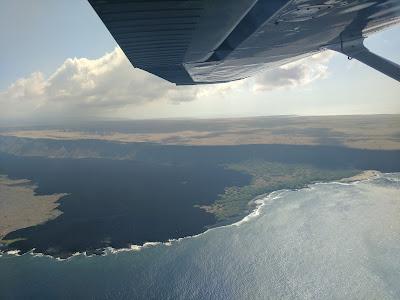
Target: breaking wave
260,202
337,240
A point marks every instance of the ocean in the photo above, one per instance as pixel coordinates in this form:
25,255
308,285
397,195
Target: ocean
117,202
327,241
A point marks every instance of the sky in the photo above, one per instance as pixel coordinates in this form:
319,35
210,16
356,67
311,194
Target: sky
59,62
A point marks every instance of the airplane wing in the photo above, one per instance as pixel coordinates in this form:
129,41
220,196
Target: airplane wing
210,41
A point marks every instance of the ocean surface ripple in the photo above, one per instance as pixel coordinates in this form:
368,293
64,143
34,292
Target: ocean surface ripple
326,241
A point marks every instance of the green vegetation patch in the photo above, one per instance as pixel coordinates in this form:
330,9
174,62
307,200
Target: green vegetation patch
9,242
266,178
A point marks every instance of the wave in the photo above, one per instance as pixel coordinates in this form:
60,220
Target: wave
259,201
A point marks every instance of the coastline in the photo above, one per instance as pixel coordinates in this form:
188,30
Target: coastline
364,175
257,203
20,207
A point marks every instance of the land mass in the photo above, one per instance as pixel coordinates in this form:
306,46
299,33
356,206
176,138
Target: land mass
379,132
267,177
21,208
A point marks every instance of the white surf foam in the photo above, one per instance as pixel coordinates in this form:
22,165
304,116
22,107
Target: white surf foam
260,202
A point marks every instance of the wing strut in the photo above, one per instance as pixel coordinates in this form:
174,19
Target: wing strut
356,49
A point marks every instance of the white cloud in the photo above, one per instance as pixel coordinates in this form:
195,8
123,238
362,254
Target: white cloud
92,87
298,73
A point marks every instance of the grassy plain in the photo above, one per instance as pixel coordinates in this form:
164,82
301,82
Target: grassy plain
377,132
267,177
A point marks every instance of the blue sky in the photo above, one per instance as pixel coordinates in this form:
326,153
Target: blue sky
39,36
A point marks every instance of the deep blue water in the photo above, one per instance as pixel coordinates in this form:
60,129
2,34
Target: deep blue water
328,241
151,197
117,203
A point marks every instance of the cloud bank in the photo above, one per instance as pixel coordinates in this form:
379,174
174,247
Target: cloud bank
298,73
83,87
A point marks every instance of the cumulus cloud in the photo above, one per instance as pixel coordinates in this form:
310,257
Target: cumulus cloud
89,86
92,87
298,73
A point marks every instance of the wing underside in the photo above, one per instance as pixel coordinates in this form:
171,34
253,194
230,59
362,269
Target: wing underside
154,35
208,41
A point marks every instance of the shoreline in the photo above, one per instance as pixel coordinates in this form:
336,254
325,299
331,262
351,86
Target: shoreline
20,207
364,175
257,203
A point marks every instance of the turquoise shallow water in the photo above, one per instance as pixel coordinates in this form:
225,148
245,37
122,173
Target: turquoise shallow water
328,241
